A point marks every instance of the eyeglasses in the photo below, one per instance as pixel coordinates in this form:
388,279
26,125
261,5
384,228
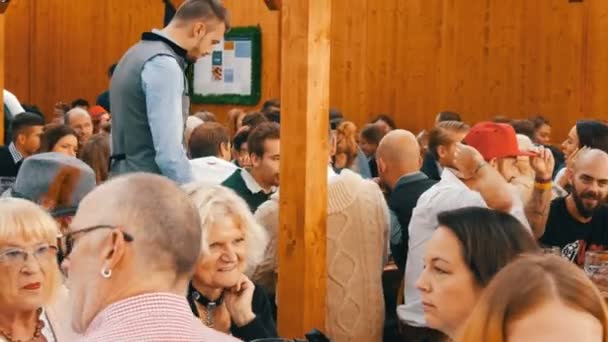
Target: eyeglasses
15,256
66,242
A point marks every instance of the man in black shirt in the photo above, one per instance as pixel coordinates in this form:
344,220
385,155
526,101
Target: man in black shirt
26,132
579,222
399,165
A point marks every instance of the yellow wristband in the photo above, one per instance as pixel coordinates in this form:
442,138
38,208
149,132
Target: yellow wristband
543,186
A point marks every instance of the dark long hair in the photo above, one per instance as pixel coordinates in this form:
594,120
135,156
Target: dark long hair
490,239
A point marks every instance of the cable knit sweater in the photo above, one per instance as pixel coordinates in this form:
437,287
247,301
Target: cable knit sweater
357,229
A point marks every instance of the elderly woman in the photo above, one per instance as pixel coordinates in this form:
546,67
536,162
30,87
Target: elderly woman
220,294
32,301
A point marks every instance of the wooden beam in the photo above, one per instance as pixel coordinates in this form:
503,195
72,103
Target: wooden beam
2,40
305,61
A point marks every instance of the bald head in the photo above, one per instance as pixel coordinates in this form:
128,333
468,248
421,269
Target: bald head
398,154
591,159
80,121
399,147
160,216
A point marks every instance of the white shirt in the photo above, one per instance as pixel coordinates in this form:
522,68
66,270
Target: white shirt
212,170
12,103
449,194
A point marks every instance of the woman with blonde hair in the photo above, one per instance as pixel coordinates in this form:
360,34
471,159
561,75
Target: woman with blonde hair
32,301
220,293
539,298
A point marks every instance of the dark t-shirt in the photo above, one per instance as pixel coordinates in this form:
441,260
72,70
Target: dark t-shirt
574,237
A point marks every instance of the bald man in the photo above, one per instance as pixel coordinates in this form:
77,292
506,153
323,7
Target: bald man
399,164
80,121
579,222
130,253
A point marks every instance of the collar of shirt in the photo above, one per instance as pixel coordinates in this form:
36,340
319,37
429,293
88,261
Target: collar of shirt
253,185
448,178
169,306
158,35
411,178
17,157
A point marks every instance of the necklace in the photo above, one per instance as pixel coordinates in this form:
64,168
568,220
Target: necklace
208,305
37,332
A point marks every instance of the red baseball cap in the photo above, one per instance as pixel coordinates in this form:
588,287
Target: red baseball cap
96,112
495,140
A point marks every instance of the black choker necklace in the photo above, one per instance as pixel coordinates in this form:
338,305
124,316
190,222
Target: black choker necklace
204,301
210,306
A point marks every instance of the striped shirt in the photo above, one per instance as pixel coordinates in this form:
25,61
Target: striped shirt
152,317
17,157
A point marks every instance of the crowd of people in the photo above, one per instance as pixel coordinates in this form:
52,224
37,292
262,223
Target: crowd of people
146,222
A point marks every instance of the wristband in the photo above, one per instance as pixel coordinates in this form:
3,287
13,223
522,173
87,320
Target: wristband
543,180
543,186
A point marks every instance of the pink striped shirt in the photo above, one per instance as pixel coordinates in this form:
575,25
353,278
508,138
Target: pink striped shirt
153,317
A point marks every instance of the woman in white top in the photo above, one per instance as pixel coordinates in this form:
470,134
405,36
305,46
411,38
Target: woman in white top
31,295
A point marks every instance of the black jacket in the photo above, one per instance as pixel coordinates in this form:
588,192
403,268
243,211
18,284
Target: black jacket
263,326
429,166
402,201
8,167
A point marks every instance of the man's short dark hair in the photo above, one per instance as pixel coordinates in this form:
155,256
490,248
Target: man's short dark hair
372,133
206,9
254,119
525,127
263,132
241,138
539,121
271,105
32,109
24,121
273,116
448,116
80,103
206,140
386,118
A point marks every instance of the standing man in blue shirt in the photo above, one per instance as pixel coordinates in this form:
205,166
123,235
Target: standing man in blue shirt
149,91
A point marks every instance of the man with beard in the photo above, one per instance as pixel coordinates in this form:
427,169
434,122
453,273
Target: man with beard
579,222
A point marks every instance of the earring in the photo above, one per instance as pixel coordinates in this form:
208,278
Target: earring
106,273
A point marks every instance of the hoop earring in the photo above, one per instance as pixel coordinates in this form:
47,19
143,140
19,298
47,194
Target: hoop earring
106,273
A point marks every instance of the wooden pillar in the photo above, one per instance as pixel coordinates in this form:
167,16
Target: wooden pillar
305,65
3,8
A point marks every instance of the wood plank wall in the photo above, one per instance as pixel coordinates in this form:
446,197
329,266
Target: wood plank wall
408,58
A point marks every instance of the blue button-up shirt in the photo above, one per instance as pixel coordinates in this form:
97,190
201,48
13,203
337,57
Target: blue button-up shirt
163,85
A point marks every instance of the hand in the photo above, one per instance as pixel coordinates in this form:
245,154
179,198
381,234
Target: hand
543,164
467,160
238,301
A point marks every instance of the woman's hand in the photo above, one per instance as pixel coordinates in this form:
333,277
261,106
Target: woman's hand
238,301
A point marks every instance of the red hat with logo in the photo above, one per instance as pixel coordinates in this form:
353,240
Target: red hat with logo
495,140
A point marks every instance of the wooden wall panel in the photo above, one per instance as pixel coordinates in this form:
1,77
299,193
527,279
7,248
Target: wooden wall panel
17,48
408,58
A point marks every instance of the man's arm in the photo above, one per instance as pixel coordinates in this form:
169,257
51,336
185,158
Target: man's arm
483,178
537,209
163,85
